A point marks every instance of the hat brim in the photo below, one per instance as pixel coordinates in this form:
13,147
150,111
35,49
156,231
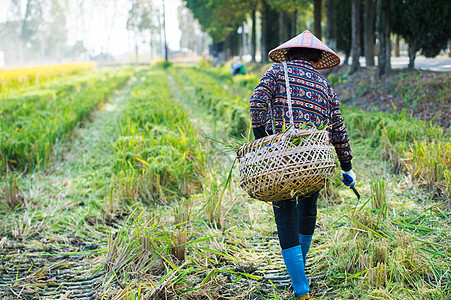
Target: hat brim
328,59
306,39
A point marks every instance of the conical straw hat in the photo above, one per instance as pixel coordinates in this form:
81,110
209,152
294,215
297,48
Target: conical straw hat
329,58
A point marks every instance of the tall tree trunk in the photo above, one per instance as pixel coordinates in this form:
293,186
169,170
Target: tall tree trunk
240,43
136,51
396,48
244,37
294,18
368,28
227,48
254,35
383,34
160,37
413,48
355,44
264,24
346,60
331,39
152,51
282,38
317,12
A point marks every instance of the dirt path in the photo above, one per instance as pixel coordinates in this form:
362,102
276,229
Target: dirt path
51,248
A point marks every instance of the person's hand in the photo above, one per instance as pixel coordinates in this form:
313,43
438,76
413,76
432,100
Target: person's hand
348,178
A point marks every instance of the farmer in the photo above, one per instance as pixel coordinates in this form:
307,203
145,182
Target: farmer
237,68
313,100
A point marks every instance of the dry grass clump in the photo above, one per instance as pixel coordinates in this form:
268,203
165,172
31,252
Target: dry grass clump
386,247
140,259
429,163
11,192
412,146
379,190
154,258
135,248
423,152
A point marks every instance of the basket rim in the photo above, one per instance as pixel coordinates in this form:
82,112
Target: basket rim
269,139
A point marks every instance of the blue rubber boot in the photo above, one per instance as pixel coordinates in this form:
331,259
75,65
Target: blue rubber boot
305,241
295,266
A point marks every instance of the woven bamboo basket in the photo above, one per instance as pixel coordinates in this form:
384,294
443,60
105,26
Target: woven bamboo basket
273,168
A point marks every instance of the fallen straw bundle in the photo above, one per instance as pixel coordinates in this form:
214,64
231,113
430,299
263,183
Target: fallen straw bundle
286,165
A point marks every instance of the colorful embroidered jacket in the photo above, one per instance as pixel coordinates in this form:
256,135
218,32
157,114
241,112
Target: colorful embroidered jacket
313,100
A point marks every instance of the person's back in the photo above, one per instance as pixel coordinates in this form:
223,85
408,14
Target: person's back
314,102
309,92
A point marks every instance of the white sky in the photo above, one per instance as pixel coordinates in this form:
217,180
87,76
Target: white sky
103,24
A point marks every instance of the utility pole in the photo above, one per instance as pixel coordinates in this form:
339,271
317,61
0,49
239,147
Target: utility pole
164,32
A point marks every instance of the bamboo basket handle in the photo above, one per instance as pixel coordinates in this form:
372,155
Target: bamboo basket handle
287,84
290,109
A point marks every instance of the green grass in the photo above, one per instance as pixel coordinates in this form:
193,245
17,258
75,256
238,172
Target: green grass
32,123
227,107
164,209
410,145
158,153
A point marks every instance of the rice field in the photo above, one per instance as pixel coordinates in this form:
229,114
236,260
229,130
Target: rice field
18,79
116,184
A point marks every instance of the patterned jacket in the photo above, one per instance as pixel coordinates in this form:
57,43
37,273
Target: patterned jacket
313,100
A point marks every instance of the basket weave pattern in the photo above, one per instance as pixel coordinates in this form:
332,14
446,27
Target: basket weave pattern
273,168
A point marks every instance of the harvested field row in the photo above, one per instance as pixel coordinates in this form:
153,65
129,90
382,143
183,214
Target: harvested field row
139,200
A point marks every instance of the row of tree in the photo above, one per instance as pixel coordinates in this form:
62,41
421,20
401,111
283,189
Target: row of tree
35,28
354,27
40,30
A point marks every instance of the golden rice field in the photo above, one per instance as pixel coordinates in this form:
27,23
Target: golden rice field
119,183
16,79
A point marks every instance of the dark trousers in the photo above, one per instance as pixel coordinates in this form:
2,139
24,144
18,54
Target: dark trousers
293,217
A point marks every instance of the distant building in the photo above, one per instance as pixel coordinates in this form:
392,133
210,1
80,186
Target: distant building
103,57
